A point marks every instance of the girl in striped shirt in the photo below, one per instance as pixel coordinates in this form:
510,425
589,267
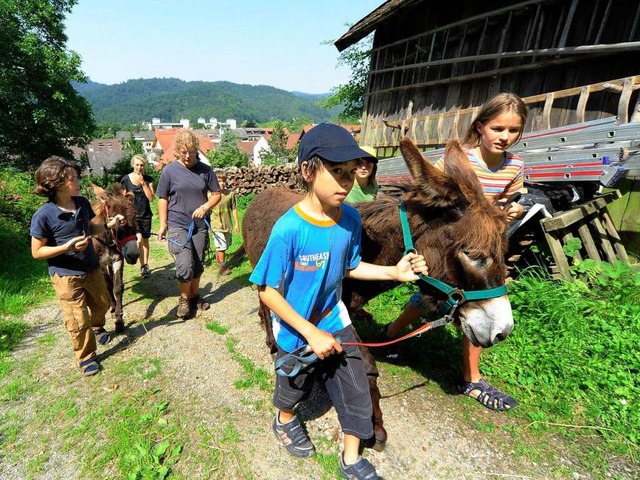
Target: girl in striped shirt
498,126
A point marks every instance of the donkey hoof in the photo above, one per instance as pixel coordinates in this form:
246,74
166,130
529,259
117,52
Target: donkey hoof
380,434
120,327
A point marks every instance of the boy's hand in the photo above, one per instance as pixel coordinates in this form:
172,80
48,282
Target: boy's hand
409,266
323,344
117,220
78,244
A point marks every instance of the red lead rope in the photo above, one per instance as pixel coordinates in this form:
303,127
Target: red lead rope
421,329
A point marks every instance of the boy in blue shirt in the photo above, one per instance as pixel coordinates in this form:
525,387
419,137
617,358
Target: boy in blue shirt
311,249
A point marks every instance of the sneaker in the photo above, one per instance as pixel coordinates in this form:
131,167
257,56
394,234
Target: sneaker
197,303
183,307
102,336
144,271
361,470
293,437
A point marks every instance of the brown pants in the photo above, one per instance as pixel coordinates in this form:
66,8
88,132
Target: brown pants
76,293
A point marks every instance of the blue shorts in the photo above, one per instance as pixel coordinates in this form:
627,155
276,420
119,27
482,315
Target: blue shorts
347,384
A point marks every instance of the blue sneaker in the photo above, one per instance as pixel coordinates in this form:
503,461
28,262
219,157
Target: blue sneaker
361,470
293,437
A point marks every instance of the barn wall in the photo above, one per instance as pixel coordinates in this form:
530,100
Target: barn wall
444,83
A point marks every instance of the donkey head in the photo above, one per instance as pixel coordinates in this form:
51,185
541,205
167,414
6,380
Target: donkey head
462,237
111,203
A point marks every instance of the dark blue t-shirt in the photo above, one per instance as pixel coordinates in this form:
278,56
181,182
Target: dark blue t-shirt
186,189
57,226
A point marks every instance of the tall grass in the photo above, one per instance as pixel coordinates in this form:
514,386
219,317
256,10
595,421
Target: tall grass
573,359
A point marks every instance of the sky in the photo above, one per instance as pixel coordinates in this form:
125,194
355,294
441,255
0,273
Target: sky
257,42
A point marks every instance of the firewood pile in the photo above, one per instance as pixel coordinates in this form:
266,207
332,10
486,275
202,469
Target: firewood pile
246,180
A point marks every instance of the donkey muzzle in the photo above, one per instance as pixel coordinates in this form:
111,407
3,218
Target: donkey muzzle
130,252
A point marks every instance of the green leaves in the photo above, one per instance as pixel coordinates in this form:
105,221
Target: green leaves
47,115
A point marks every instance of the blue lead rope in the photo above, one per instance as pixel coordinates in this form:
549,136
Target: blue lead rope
192,226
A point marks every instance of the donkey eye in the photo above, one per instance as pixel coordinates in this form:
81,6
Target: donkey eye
475,258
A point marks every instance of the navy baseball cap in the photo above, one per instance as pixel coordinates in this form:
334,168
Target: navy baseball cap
333,143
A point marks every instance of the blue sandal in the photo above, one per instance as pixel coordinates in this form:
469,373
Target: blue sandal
89,367
102,336
487,395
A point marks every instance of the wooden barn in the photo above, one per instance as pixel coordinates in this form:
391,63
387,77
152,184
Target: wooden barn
433,62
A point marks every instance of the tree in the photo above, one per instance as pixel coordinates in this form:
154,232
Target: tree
228,154
45,115
278,154
351,95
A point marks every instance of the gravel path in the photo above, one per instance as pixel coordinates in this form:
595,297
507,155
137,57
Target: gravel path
430,433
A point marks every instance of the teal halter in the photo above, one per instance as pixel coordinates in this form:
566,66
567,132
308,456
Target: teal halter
455,296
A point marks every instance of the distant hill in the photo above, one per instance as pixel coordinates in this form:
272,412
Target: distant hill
171,99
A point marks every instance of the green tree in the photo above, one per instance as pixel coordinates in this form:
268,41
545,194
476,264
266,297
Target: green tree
278,154
45,114
351,95
228,154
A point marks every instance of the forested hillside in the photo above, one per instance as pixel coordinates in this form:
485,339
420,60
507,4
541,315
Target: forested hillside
171,99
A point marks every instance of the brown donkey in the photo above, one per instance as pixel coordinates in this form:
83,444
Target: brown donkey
115,245
461,235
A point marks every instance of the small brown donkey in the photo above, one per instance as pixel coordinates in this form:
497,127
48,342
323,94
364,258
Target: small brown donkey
461,235
116,244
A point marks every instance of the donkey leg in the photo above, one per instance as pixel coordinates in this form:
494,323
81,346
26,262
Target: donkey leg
265,321
117,294
369,363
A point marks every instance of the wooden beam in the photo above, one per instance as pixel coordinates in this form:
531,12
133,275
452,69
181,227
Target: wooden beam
588,243
542,52
566,219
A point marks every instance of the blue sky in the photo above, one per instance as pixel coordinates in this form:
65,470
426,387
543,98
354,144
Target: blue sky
257,42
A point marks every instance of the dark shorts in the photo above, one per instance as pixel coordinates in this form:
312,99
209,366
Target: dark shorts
188,254
346,382
144,227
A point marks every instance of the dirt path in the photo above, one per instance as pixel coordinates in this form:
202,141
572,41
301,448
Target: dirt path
429,431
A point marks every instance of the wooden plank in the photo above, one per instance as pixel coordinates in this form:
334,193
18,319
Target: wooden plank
546,111
582,104
604,239
588,243
623,103
621,252
558,255
566,219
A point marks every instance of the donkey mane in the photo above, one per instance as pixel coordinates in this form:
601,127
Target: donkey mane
118,203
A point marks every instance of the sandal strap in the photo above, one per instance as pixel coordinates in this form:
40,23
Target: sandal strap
488,395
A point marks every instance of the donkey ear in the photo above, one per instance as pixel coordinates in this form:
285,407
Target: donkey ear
458,168
98,190
439,188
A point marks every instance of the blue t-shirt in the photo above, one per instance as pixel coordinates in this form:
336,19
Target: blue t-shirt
186,189
306,260
57,226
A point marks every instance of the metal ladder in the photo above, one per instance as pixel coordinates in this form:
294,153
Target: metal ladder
601,151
